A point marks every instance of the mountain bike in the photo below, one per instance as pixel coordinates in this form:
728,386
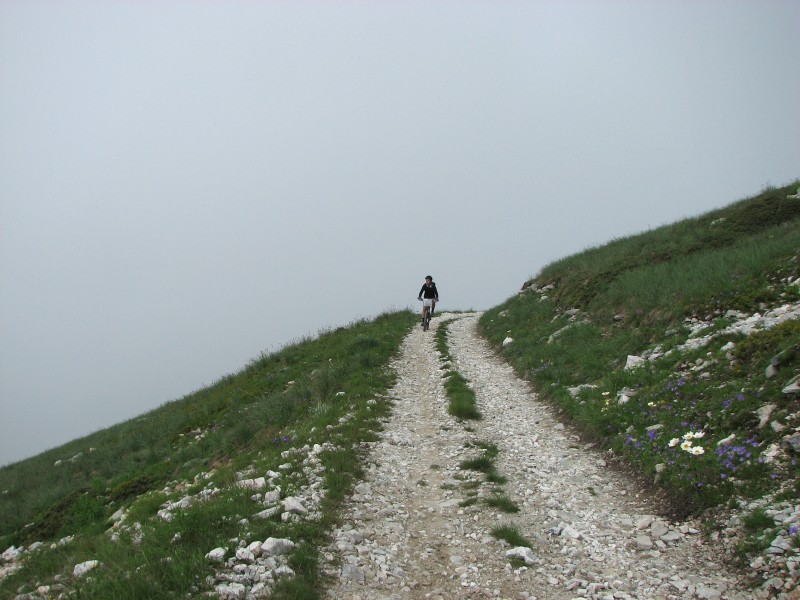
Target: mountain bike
427,313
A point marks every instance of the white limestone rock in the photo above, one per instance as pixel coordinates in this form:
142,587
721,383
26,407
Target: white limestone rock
284,571
216,555
764,413
294,506
252,484
671,536
272,497
634,362
83,568
255,549
791,442
644,522
658,529
575,391
352,573
231,591
269,513
793,387
10,554
570,532
522,553
643,542
243,555
277,546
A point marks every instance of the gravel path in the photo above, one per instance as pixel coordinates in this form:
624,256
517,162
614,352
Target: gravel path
592,533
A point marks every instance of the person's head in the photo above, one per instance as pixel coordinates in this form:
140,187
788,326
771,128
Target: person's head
428,279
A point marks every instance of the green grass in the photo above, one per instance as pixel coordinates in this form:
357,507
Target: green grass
484,463
757,525
462,403
502,502
510,535
587,280
328,389
469,501
757,521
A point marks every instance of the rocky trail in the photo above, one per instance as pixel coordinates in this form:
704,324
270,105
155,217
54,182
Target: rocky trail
594,534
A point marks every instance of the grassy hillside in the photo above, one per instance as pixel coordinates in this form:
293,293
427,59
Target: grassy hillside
699,415
315,391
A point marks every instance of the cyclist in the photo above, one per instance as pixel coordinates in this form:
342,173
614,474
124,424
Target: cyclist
430,292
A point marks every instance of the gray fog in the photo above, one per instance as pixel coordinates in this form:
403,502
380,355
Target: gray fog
185,185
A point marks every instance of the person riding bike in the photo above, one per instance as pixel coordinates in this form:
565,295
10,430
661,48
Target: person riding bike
430,292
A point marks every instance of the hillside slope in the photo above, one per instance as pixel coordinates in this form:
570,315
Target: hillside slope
115,496
678,351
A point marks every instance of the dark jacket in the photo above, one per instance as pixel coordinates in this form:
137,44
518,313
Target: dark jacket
428,291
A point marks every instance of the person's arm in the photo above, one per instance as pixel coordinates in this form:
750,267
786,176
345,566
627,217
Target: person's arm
435,292
421,290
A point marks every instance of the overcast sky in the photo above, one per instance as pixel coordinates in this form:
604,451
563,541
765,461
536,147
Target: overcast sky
184,185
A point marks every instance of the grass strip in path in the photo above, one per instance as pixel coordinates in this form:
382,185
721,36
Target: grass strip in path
462,403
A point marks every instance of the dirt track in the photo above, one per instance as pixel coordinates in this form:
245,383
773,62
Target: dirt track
591,531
